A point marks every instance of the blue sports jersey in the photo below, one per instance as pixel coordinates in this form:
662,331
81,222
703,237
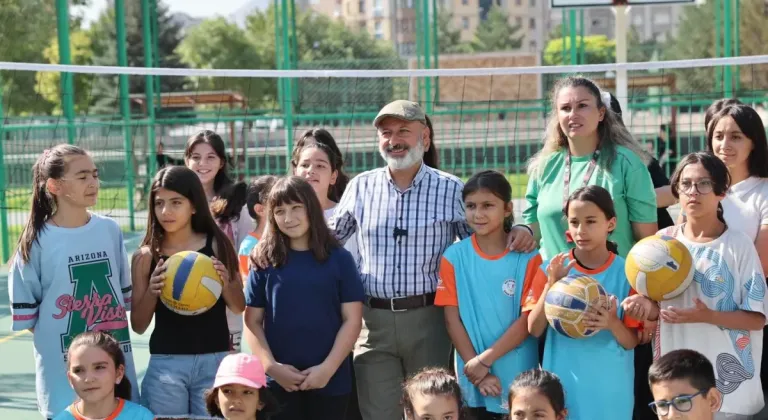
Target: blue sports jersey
125,410
491,292
597,373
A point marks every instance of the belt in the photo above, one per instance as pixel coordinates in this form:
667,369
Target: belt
400,304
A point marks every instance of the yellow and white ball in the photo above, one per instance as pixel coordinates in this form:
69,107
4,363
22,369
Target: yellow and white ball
192,284
567,302
659,267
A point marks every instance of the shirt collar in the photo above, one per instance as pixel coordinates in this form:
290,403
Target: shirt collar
423,171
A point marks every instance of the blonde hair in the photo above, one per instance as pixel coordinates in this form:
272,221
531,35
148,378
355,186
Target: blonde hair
611,130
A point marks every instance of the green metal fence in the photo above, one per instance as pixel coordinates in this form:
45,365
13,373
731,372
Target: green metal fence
469,135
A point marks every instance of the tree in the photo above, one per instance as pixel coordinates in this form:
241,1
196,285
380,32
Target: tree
26,31
449,38
219,44
495,33
49,83
325,43
696,39
598,49
103,34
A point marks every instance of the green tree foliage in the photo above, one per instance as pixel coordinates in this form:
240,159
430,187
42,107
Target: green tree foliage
219,44
598,49
48,84
28,26
104,40
696,39
448,37
496,33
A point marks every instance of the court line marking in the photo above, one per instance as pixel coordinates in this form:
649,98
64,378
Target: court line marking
12,336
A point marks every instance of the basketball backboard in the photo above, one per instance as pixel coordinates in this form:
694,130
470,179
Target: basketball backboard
604,3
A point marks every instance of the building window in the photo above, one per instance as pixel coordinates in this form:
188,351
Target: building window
361,7
518,2
465,23
378,31
532,23
518,21
363,25
532,45
465,2
532,3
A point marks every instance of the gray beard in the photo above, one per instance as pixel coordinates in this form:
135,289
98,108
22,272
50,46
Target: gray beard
414,156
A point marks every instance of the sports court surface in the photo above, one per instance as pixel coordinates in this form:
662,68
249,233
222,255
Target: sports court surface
17,365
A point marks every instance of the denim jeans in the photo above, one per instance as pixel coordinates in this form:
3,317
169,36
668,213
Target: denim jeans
175,383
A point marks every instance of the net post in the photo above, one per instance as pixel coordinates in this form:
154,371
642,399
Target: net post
427,80
3,186
287,91
621,57
149,87
736,44
125,106
572,29
727,48
65,57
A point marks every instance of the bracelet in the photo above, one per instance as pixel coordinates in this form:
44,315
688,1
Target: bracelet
525,226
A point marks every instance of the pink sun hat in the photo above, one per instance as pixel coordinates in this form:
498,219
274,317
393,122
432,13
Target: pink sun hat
242,369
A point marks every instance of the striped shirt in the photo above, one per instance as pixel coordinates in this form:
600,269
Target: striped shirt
401,235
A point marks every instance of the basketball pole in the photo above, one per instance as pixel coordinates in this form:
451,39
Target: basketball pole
621,13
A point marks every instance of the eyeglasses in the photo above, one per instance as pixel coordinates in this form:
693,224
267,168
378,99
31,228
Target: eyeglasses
702,187
682,403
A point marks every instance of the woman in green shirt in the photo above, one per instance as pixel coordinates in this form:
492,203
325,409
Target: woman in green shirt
585,144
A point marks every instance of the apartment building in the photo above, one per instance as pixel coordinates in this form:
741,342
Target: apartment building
650,21
395,20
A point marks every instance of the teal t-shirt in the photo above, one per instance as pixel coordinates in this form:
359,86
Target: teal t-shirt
628,181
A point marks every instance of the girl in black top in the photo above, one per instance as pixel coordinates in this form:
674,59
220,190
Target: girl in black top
185,350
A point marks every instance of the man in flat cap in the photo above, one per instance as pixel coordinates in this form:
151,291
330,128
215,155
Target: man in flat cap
404,215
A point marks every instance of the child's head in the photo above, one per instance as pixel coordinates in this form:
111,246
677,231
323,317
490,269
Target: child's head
701,181
433,393
716,107
177,202
683,386
293,215
206,155
591,218
488,202
537,394
63,177
96,368
319,165
335,159
257,194
736,135
239,390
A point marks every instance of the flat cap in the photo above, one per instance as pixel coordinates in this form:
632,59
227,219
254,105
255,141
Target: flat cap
403,110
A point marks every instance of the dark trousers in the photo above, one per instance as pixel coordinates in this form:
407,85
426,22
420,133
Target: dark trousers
308,405
643,395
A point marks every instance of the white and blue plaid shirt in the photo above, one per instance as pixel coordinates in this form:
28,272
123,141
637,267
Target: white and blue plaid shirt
401,235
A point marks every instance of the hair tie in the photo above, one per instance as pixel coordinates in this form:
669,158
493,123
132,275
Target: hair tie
605,97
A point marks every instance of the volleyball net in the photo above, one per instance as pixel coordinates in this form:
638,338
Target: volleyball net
492,116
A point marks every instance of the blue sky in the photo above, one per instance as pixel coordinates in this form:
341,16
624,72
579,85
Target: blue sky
194,8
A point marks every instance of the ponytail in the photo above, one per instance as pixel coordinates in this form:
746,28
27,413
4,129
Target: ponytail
123,389
229,203
50,165
612,247
720,213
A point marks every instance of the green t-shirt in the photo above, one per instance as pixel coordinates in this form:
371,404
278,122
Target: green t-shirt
628,181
